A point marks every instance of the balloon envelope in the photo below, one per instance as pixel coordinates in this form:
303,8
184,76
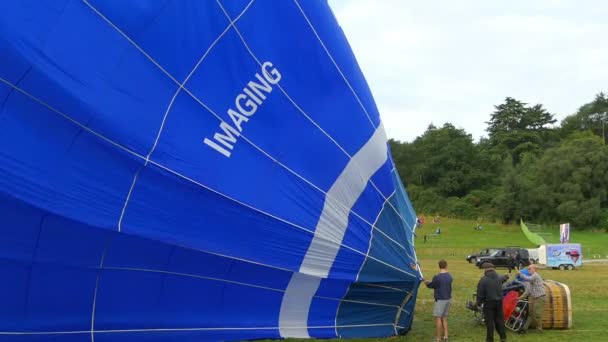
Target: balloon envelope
194,170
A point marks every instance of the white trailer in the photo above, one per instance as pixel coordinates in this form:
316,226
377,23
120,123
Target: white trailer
562,256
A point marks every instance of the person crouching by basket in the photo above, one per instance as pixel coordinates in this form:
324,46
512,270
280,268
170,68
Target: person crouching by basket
489,293
442,284
536,299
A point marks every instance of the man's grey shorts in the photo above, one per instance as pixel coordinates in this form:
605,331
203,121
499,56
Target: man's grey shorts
442,307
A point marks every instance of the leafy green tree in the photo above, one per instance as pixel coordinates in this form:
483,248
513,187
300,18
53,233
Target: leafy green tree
514,115
592,116
407,160
426,200
524,169
450,160
516,128
571,181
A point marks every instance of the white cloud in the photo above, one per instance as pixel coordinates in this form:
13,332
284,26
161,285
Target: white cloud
454,60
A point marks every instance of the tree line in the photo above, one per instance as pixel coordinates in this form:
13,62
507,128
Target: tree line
527,167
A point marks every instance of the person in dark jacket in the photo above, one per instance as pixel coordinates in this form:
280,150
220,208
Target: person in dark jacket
518,262
489,293
442,285
511,262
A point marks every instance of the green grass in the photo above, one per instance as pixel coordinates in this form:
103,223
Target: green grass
588,285
458,239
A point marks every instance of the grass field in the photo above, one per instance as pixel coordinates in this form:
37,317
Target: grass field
588,285
589,304
458,238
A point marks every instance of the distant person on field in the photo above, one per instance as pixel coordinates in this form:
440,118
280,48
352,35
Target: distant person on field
511,262
442,285
536,299
489,293
517,260
424,238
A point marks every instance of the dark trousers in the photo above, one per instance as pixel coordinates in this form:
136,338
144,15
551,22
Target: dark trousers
492,312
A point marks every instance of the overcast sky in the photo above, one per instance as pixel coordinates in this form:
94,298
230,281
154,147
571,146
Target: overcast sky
452,61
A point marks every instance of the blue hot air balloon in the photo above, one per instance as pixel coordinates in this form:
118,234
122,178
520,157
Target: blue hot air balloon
194,170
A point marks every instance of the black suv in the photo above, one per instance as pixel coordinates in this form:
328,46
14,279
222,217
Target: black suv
472,258
502,257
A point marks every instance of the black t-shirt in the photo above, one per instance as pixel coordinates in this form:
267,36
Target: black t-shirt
442,283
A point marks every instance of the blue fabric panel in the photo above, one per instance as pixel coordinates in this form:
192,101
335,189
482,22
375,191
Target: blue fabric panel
322,332
218,88
369,205
156,256
207,265
366,332
352,313
374,271
333,288
40,252
275,191
80,337
152,255
318,13
384,249
389,252
379,318
358,233
236,304
157,210
391,295
93,191
65,242
360,314
5,92
109,69
20,231
19,68
347,264
314,93
235,7
176,301
406,319
187,336
383,179
404,203
372,293
163,29
13,293
392,224
53,304
322,314
35,19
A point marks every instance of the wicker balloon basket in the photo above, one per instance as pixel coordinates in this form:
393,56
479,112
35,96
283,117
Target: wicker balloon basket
557,313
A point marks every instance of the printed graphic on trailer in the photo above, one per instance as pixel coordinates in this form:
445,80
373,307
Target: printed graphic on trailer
566,254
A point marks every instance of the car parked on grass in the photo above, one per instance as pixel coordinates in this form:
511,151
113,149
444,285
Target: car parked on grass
502,257
472,258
